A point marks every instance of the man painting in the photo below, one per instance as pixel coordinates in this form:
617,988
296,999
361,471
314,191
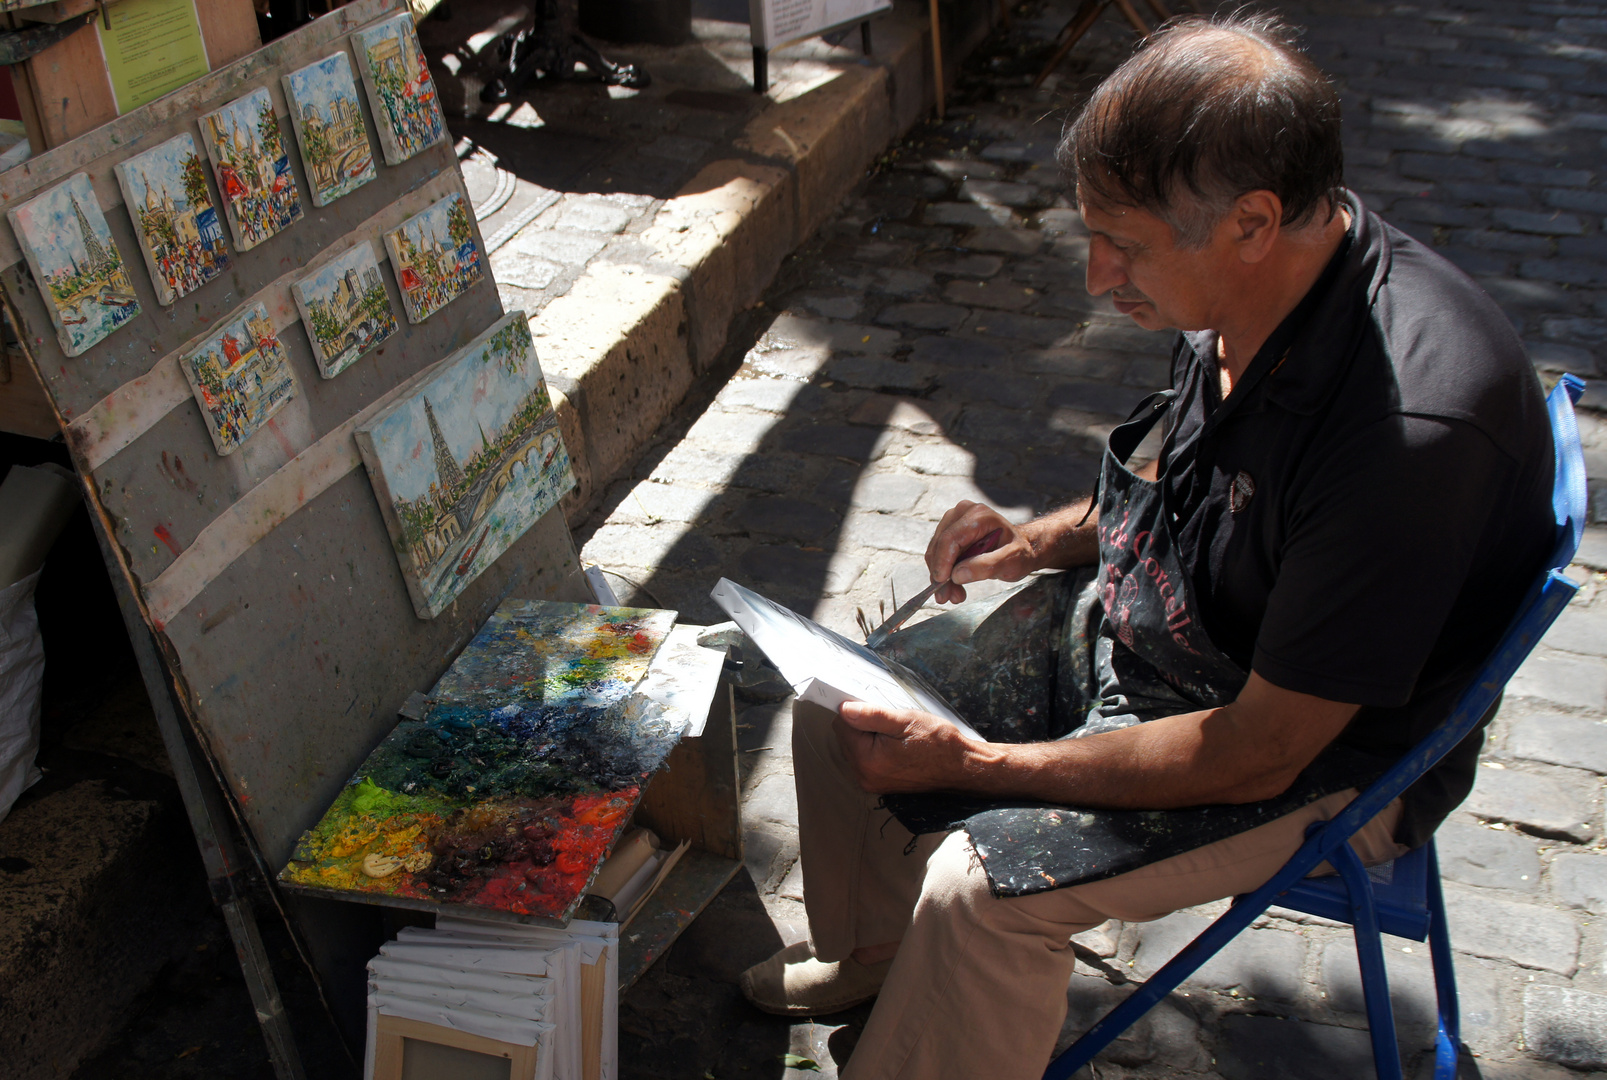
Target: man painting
1349,498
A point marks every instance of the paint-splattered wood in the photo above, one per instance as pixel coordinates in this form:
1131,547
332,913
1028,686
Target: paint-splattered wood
268,574
696,880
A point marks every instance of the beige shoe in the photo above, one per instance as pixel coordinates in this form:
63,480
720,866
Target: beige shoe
794,983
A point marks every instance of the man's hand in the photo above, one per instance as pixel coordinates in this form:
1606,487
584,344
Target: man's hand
901,750
1012,559
1055,541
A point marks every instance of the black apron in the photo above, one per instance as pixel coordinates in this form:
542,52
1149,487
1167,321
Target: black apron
1126,645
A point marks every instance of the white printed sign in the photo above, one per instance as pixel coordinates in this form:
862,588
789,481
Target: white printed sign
776,22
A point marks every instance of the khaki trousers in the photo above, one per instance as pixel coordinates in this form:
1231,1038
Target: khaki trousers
978,988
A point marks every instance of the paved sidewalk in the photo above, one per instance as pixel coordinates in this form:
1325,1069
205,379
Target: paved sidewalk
935,343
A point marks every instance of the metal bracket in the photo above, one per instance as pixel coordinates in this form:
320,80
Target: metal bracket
18,45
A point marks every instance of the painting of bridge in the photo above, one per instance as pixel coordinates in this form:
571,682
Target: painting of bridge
345,309
81,274
467,462
329,127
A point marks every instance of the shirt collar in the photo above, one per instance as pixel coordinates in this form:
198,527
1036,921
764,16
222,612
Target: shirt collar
1303,358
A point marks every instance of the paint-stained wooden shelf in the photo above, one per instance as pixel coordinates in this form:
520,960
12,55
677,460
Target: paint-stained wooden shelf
696,880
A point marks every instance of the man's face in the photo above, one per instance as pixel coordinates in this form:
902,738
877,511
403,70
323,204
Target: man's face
1133,257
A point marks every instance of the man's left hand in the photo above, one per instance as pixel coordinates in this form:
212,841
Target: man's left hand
902,750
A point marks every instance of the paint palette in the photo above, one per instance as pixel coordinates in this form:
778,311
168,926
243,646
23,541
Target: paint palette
518,779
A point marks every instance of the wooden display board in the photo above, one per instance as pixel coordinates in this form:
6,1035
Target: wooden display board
261,588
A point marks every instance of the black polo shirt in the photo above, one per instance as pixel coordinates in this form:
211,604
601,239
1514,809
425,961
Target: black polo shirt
1363,514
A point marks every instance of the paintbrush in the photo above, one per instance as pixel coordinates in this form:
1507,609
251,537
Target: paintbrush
875,638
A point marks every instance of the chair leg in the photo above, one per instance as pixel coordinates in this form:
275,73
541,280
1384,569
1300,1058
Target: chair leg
1448,1042
1075,29
1370,955
1130,13
1158,986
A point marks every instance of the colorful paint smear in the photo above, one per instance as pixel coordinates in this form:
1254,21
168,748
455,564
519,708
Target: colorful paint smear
345,308
81,275
519,779
240,377
435,256
466,463
407,111
329,127
177,226
253,168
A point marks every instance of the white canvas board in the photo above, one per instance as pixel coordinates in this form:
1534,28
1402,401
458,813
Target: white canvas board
595,940
824,667
536,987
684,678
468,956
514,1005
486,1025
503,948
776,22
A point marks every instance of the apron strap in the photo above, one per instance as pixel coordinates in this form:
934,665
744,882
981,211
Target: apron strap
1125,439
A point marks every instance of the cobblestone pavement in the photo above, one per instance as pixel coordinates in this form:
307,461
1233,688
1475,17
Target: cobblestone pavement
935,343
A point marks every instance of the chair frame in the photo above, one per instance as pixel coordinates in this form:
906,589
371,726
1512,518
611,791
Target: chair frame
1329,841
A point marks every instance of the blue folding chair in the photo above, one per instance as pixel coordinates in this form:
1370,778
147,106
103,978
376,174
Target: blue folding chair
1410,904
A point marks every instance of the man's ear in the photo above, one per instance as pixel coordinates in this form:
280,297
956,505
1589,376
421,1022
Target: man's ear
1257,221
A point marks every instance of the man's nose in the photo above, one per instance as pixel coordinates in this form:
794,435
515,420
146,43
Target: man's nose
1105,270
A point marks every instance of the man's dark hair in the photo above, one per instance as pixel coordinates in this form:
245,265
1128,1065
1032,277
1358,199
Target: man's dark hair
1204,112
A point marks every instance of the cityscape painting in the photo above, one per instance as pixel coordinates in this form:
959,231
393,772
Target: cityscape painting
240,377
345,309
178,228
466,463
435,257
329,127
81,274
407,112
253,168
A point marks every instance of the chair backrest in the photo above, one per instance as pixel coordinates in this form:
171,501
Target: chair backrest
1540,608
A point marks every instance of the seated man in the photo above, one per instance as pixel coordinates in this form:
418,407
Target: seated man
1350,498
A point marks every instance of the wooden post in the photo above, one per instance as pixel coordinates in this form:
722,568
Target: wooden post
937,58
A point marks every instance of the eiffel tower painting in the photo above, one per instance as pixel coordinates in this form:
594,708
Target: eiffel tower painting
80,272
467,463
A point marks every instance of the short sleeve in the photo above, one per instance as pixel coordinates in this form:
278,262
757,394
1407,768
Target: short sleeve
1380,545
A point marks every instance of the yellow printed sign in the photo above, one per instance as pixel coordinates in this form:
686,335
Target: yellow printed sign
153,47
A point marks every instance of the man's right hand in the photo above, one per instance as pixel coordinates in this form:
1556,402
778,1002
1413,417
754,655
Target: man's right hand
1012,559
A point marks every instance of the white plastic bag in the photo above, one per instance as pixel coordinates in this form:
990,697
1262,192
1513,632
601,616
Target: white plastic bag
22,673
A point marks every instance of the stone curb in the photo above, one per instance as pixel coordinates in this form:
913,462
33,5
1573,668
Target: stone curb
622,347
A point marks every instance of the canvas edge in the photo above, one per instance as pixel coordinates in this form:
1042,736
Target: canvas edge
363,436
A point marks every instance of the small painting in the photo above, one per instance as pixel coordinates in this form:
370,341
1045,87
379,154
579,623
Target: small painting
435,256
407,112
345,309
253,168
329,127
81,274
177,225
240,377
521,775
467,462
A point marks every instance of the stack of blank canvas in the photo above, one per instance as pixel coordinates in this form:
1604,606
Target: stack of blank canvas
473,999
